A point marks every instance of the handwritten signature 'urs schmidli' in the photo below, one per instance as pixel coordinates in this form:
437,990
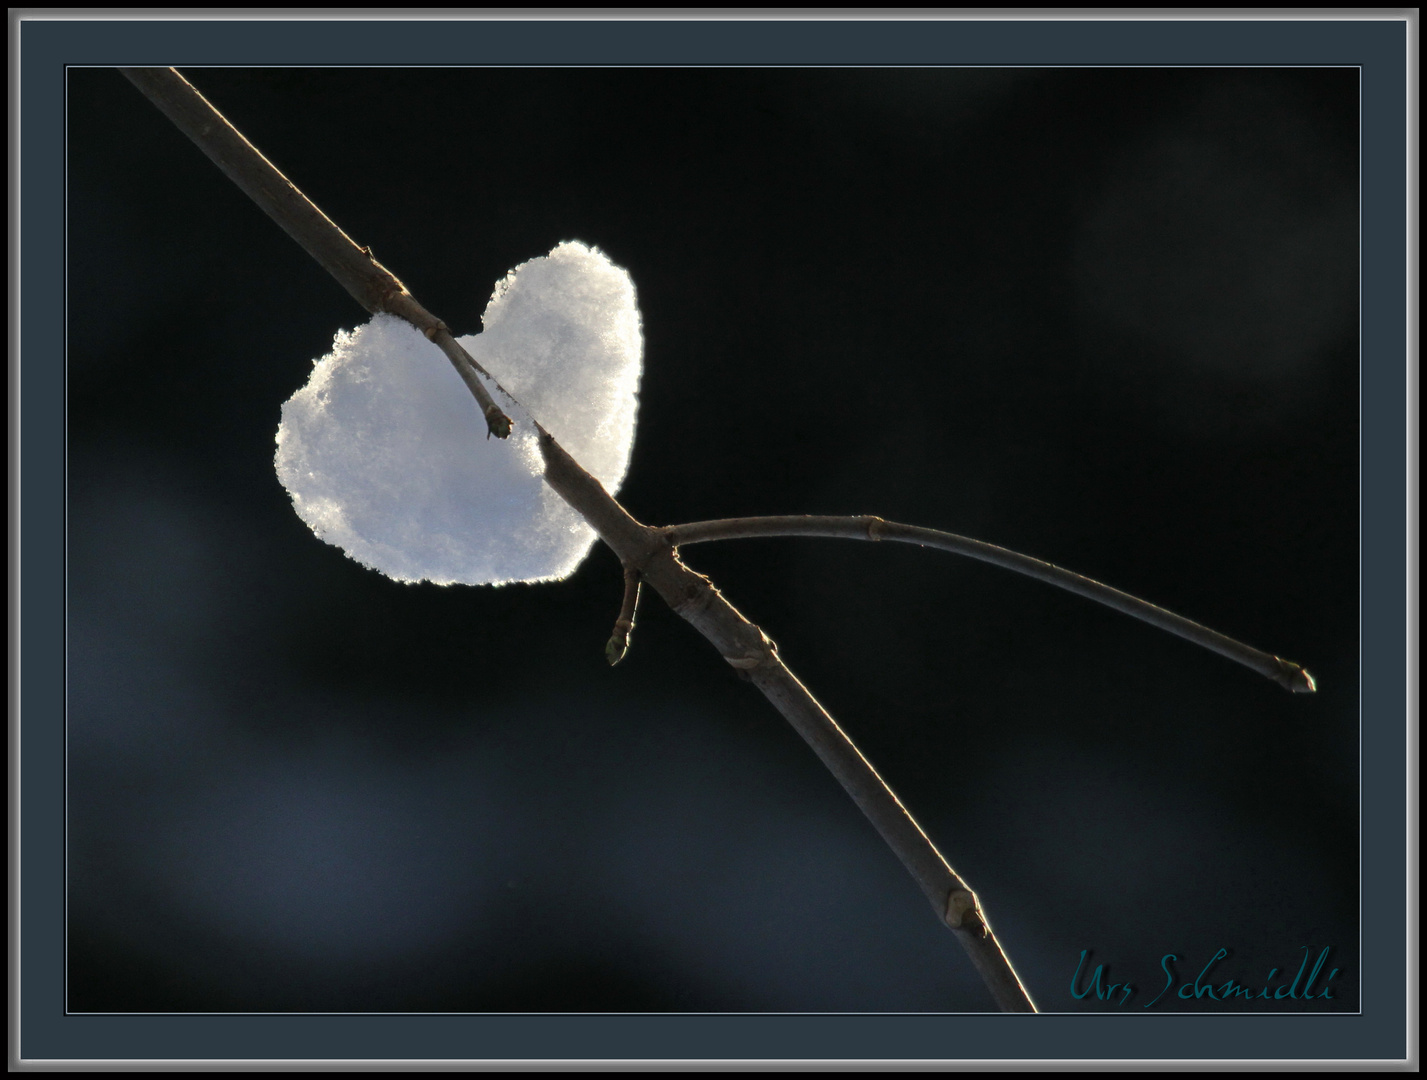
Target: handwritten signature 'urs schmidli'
1204,985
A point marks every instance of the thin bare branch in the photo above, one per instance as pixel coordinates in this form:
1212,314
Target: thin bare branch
869,527
753,654
643,550
497,423
372,285
618,643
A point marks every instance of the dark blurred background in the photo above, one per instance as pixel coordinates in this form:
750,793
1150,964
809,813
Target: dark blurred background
1104,317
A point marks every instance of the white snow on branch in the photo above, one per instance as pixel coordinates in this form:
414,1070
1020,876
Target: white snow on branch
385,453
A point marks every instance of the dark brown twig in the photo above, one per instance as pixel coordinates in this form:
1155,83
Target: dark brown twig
750,652
372,285
497,423
618,644
868,527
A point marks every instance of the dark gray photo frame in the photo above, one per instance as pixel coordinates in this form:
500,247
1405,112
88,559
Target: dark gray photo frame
43,1031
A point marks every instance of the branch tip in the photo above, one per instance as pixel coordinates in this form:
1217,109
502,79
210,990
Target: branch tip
1295,678
497,423
616,647
618,644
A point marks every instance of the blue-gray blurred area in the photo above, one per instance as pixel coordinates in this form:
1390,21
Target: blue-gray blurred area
1104,317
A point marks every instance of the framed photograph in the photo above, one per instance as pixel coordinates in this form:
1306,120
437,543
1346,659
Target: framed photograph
1098,293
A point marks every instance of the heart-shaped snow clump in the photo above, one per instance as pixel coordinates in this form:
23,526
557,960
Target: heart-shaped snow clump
385,453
